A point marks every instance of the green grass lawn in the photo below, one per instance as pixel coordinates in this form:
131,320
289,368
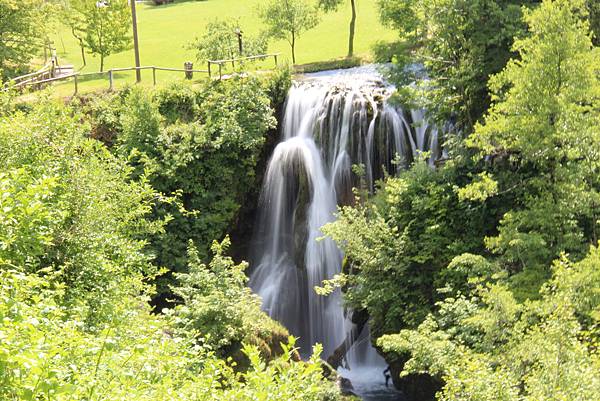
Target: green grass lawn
164,32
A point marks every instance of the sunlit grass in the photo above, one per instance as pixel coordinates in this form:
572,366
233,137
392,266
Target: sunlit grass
166,30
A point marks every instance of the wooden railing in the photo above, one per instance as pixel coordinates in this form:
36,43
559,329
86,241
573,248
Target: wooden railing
77,76
46,76
47,71
153,68
221,63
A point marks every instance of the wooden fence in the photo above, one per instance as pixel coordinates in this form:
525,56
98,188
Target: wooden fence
45,76
37,83
46,72
221,63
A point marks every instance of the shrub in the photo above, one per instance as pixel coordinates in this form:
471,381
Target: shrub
219,307
203,146
70,210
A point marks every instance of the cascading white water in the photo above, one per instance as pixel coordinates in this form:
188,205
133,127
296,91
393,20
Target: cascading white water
332,121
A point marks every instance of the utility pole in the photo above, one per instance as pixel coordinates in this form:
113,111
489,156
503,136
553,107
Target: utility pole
136,47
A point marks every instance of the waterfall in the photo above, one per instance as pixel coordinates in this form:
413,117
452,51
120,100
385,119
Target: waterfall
332,121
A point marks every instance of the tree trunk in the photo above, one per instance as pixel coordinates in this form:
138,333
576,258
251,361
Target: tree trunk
81,45
293,48
352,29
101,62
82,52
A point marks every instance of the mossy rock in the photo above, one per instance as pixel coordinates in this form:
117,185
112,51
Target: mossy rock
264,333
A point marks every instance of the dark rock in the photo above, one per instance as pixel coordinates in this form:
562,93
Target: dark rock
416,387
345,386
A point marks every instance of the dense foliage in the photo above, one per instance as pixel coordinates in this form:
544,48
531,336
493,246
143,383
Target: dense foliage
200,145
487,264
399,242
219,307
21,33
460,43
488,346
70,212
545,118
48,353
75,262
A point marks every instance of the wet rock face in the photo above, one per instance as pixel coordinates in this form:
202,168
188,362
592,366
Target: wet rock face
300,215
345,386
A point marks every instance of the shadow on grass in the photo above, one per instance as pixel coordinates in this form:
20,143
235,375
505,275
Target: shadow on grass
335,64
154,6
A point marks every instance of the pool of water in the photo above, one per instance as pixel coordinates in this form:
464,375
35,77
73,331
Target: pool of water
370,385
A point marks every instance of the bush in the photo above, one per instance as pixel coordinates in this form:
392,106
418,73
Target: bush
219,307
75,322
70,211
491,347
45,354
201,145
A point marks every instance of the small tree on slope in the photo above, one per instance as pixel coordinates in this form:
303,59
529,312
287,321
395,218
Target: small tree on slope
288,19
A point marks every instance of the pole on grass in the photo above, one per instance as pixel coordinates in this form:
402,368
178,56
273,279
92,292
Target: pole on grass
136,46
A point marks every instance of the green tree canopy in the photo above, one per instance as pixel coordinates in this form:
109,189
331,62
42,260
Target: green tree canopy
70,210
221,42
104,25
459,43
546,118
288,19
21,34
490,347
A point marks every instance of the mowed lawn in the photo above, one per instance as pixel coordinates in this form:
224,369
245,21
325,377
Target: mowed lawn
165,31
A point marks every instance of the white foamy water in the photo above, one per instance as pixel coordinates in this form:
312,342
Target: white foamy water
333,120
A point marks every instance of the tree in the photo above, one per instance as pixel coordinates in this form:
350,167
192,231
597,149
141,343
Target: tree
221,41
161,132
332,5
21,27
489,347
105,26
288,19
71,210
74,20
459,43
546,119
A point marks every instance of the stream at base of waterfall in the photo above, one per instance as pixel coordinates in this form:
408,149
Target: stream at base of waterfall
333,121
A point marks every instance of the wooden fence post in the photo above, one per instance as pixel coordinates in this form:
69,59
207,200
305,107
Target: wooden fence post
75,84
209,75
110,79
220,71
154,75
275,56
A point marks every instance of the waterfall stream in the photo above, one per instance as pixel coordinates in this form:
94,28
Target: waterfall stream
332,121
